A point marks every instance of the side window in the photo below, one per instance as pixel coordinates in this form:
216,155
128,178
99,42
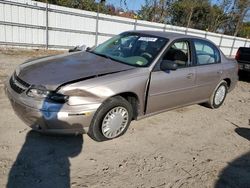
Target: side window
206,53
179,53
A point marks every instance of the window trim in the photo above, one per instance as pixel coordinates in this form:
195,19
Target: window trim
214,47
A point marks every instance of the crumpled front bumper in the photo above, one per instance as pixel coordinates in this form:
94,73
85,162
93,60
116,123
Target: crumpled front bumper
49,117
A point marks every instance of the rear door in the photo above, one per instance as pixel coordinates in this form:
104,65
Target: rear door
173,88
208,68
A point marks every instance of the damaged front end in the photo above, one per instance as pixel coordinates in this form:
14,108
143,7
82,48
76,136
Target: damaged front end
50,111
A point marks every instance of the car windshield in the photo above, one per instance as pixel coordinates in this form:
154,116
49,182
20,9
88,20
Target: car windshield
132,48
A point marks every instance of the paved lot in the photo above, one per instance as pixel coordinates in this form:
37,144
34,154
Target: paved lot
189,147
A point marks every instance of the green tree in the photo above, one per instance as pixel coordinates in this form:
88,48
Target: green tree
244,30
241,10
155,10
217,17
190,13
199,16
89,5
66,3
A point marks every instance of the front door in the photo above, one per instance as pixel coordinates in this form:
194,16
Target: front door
173,88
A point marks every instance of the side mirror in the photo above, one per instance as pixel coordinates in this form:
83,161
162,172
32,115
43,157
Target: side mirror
168,65
78,48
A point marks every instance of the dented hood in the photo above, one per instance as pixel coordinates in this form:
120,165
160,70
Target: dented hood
52,72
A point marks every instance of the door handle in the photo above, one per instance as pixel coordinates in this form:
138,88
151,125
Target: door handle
190,75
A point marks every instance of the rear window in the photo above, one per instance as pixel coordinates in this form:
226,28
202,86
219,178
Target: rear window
245,50
206,53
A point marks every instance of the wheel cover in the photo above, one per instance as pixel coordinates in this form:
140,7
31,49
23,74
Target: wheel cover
220,95
114,122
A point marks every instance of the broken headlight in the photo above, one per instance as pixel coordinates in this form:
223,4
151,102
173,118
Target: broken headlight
38,93
41,92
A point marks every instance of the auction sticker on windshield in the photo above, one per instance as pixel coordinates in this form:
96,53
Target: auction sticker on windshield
148,39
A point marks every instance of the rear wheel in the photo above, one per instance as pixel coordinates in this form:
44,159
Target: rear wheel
111,120
219,95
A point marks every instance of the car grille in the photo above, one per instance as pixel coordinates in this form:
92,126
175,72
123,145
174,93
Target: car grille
17,84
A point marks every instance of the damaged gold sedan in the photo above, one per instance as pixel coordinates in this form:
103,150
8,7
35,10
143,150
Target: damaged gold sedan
130,76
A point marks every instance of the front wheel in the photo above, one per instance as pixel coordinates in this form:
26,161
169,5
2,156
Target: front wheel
219,95
111,120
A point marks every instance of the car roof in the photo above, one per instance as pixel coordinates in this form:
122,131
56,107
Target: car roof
163,34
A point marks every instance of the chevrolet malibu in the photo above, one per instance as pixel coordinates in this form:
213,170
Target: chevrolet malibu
130,76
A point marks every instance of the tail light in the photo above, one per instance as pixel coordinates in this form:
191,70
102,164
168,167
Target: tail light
237,56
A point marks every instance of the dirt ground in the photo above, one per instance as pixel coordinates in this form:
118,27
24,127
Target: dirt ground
189,147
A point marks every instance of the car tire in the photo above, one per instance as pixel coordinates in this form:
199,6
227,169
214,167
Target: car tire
218,96
111,120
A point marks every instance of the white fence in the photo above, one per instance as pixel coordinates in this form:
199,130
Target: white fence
33,24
